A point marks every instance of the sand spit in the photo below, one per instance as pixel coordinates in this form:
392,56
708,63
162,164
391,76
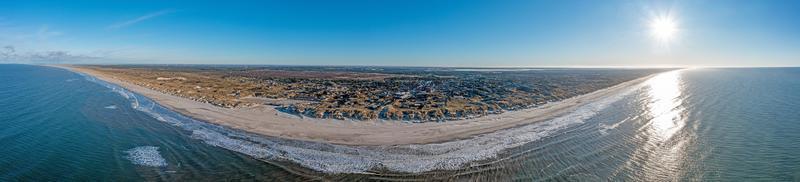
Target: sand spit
359,155
265,120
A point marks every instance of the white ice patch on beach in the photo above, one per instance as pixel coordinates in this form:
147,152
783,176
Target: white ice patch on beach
146,156
111,107
331,158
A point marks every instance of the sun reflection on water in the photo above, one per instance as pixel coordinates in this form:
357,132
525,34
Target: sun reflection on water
663,150
665,104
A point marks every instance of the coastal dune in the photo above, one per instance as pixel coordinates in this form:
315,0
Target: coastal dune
405,148
265,120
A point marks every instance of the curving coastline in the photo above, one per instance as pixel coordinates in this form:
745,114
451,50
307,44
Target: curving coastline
330,157
265,120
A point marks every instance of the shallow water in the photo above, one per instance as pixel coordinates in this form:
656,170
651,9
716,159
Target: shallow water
55,126
700,124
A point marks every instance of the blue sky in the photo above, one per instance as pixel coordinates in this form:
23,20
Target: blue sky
402,33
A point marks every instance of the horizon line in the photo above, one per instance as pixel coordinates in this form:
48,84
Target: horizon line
407,66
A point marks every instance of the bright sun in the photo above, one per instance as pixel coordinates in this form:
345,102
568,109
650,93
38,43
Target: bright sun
663,28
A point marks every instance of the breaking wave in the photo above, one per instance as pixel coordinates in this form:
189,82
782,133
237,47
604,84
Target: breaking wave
111,107
146,156
332,158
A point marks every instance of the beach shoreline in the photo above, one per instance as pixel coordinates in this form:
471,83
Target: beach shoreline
265,120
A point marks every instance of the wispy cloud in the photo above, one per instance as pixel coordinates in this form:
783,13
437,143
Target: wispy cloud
10,54
44,33
57,57
139,19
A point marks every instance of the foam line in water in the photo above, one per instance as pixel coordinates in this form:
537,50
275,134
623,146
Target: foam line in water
111,107
603,128
332,158
146,156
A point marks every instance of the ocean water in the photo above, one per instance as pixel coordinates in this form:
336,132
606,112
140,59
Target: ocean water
56,125
696,124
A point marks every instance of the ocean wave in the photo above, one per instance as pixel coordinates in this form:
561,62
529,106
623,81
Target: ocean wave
603,128
111,107
332,158
146,156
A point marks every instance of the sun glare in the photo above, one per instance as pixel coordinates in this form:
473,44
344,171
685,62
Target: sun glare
663,28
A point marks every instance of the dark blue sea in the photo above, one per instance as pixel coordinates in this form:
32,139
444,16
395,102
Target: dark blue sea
714,124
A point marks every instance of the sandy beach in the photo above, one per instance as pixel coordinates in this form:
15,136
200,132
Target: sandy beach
264,120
